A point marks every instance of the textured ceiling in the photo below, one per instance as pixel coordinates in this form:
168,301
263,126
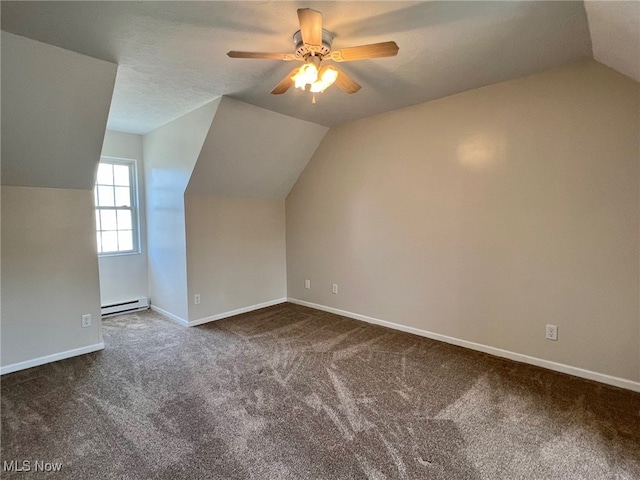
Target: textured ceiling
172,55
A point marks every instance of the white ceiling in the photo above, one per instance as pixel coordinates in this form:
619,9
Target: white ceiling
615,33
172,55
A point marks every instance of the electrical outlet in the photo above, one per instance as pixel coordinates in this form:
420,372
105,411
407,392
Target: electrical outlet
86,320
551,332
334,288
307,284
196,299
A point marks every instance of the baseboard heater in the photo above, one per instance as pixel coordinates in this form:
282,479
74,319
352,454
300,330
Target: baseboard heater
124,307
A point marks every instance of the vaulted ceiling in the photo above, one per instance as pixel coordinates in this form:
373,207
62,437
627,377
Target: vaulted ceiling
172,55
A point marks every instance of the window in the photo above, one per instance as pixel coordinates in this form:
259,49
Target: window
116,207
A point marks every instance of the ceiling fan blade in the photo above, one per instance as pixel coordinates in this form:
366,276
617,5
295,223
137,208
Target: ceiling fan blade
346,83
285,84
310,26
272,56
375,50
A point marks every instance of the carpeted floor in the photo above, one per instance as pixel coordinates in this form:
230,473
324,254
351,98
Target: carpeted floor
288,392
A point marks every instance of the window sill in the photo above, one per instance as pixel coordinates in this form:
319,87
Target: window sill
117,254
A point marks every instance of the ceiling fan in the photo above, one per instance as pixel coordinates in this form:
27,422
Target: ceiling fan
313,46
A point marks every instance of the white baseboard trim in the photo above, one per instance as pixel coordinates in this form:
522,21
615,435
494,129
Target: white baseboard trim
171,316
238,311
518,357
15,367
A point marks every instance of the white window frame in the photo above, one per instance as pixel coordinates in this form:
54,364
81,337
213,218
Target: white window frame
135,205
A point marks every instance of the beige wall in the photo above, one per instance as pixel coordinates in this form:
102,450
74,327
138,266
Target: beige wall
55,105
253,152
124,277
234,208
235,253
170,153
484,216
49,272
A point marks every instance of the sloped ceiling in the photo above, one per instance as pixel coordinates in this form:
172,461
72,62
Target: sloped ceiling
253,152
55,105
171,152
172,55
615,34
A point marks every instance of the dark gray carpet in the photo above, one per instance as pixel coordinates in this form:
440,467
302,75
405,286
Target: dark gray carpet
292,393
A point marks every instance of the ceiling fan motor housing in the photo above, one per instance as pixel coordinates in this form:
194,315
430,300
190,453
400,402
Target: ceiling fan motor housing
302,50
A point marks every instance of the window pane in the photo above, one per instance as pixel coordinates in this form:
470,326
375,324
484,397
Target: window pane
123,197
105,196
108,220
125,240
105,174
95,196
121,175
115,207
109,241
124,220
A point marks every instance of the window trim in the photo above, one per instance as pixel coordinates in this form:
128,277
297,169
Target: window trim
135,205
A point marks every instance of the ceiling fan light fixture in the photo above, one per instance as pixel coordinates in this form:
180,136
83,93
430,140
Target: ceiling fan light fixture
327,75
307,74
